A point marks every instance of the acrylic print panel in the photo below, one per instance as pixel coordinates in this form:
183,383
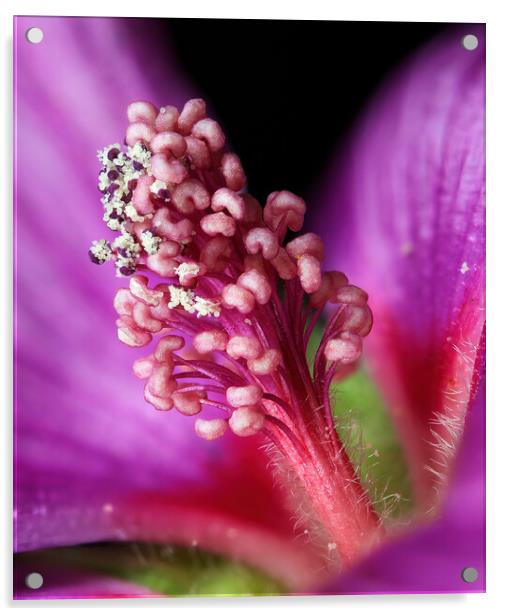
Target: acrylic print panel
231,386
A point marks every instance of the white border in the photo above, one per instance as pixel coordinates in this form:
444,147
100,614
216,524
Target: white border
489,11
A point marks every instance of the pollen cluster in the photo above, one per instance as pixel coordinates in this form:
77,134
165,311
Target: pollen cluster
231,303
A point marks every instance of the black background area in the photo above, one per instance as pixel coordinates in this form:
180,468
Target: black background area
287,92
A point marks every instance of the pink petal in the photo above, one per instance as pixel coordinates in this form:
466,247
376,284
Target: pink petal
93,461
413,183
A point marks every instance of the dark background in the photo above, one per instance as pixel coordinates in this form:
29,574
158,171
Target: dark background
288,91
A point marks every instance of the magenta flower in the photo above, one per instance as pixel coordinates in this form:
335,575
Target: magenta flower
233,306
221,297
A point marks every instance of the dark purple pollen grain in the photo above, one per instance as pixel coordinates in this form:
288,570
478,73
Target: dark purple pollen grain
126,271
113,174
94,258
138,166
111,155
113,214
123,252
163,193
132,184
127,198
112,187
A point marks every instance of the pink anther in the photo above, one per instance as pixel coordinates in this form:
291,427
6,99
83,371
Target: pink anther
350,294
266,363
139,289
243,396
262,239
166,346
187,403
309,272
160,404
139,131
210,340
235,296
198,152
346,348
170,171
218,224
247,347
143,367
167,118
357,319
209,131
307,244
141,196
256,283
142,111
284,205
124,302
180,231
130,333
163,266
162,312
162,262
284,265
193,111
189,195
331,281
232,170
144,319
210,429
160,382
246,421
168,142
212,252
226,199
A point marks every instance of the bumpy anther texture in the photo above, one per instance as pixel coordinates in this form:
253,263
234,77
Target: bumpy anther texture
227,305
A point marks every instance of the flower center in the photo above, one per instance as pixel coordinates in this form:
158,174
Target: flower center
231,303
